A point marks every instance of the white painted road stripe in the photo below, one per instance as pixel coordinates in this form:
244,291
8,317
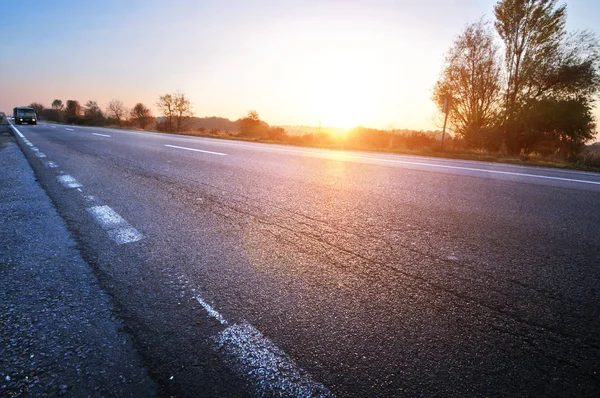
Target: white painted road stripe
66,128
211,311
269,370
343,156
101,135
18,132
196,150
68,182
117,227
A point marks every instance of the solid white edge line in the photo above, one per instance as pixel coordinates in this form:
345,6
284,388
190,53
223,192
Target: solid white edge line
195,150
18,132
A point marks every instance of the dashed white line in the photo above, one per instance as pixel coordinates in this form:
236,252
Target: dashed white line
68,129
265,366
101,135
117,227
195,150
68,182
50,164
211,311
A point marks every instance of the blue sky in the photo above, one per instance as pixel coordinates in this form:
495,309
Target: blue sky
296,62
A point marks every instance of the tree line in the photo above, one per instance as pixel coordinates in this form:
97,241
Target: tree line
176,109
537,96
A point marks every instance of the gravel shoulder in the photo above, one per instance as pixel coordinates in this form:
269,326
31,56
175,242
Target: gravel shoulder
58,334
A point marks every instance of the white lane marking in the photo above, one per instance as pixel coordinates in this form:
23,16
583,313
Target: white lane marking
53,126
68,129
265,366
101,135
211,311
18,132
511,173
125,235
50,164
268,369
343,156
117,227
68,182
195,150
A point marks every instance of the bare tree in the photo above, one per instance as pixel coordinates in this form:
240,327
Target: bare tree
116,110
141,115
183,109
470,80
39,108
166,105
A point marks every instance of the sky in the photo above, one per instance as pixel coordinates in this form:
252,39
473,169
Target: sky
341,63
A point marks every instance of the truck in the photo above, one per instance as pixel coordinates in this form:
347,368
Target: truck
24,114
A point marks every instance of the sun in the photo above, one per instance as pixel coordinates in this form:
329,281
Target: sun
343,95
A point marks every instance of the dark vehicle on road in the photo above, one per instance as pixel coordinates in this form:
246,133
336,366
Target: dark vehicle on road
24,114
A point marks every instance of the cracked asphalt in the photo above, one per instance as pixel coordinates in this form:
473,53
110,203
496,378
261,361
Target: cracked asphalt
379,275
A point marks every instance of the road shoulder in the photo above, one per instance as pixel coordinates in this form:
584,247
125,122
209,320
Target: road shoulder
58,335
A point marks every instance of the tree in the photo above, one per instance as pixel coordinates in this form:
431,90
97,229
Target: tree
39,108
548,73
92,114
471,81
182,109
531,31
141,115
251,126
73,111
116,110
57,105
166,105
176,108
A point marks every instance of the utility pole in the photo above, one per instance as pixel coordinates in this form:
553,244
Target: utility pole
446,110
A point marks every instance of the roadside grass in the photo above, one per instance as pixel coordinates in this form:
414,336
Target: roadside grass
588,161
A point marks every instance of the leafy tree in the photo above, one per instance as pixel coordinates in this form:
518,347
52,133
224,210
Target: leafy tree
141,115
57,105
549,74
531,31
557,125
252,127
92,114
277,133
73,112
471,81
116,110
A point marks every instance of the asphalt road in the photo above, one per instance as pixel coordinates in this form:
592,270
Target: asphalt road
254,269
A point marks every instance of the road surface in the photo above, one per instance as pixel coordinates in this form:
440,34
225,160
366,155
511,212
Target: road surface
254,269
